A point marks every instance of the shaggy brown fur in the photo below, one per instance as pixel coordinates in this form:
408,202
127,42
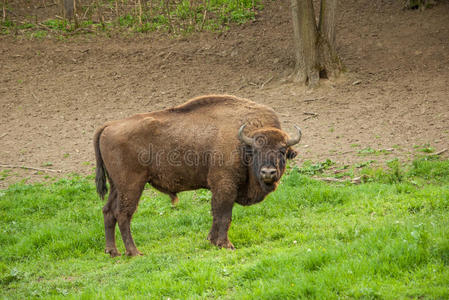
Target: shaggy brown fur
191,146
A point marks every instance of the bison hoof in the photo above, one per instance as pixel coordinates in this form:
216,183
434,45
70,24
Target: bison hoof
134,252
174,201
113,252
224,244
227,245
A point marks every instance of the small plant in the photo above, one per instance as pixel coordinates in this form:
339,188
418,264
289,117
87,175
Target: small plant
367,150
38,34
431,168
4,174
25,26
419,4
57,24
364,164
14,275
396,173
312,169
426,148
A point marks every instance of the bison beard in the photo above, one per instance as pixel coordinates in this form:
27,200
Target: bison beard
231,146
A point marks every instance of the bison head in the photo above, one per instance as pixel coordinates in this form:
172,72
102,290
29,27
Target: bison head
266,152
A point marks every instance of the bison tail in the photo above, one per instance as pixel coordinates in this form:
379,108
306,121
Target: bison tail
100,173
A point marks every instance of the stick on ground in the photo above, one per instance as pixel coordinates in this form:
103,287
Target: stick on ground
440,152
310,113
29,168
314,99
266,82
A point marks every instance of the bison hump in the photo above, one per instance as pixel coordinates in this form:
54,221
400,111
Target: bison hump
148,125
138,126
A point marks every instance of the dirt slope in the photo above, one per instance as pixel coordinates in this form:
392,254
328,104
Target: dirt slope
395,94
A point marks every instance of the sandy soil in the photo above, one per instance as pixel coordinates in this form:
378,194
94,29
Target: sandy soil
393,97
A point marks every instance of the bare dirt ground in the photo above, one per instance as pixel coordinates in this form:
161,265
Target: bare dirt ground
393,97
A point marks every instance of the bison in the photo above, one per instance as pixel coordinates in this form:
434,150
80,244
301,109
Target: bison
232,146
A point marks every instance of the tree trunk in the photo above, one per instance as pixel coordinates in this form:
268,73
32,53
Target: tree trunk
69,6
315,51
330,64
100,14
4,11
305,36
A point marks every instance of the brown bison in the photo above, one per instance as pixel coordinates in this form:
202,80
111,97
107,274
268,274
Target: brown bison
231,146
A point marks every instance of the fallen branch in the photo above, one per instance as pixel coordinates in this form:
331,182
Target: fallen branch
241,87
441,152
346,152
85,13
29,168
310,115
204,18
10,12
34,96
266,82
168,55
45,6
331,179
355,180
77,30
43,26
314,99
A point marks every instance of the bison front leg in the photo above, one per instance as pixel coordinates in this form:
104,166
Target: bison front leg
223,198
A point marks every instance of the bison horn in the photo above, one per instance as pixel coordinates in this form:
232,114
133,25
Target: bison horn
242,137
296,140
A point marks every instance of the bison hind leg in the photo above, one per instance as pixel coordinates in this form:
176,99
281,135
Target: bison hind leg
110,222
174,199
128,199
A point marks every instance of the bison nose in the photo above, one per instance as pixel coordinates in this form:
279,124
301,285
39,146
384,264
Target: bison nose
268,174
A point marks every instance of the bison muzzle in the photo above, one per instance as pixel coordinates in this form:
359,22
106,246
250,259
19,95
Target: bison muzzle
233,147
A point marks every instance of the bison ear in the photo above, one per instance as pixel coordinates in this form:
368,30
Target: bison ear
291,153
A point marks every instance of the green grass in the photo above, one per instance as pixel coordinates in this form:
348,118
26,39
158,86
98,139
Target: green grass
180,17
382,239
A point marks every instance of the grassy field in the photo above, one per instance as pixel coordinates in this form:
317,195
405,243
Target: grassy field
387,238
